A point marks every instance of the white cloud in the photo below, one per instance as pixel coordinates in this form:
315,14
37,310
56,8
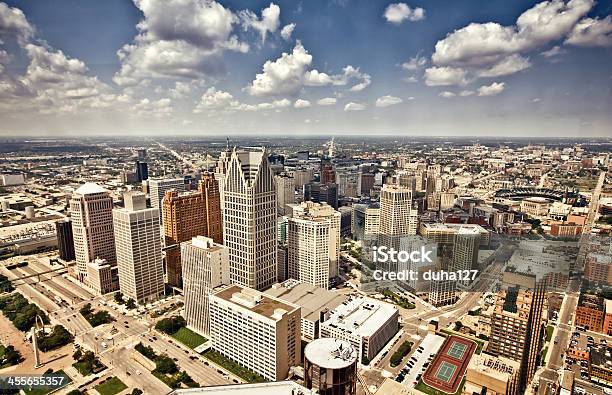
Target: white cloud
299,103
591,32
185,38
13,24
180,90
510,65
445,76
352,106
287,31
287,75
284,75
153,109
386,101
415,63
399,12
447,94
492,90
268,23
490,49
282,103
327,101
554,51
215,99
465,93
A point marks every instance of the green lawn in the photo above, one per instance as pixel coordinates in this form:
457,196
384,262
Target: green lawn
189,337
549,332
111,386
233,367
421,386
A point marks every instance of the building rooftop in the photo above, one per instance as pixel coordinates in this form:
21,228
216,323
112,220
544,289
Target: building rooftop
498,367
255,301
459,228
309,297
90,188
330,353
273,388
360,316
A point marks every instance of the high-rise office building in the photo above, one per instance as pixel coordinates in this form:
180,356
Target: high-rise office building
327,171
365,183
188,215
205,266
158,188
256,330
303,176
249,220
142,154
397,217
142,171
313,243
516,324
138,246
285,191
65,239
91,212
322,193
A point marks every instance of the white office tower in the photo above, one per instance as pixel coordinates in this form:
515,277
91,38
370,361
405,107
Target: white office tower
397,217
205,266
285,192
158,188
260,332
249,219
313,243
138,246
91,211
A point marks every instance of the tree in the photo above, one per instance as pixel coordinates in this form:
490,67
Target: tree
119,298
75,392
77,355
86,310
170,325
131,304
165,365
58,337
11,356
137,391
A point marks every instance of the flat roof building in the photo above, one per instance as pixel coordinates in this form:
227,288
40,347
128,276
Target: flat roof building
257,331
315,303
364,322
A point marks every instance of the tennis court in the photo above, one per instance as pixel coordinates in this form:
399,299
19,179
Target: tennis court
446,371
456,350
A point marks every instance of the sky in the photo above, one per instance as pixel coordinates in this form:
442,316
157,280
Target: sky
334,67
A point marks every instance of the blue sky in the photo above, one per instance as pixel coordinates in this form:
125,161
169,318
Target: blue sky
334,67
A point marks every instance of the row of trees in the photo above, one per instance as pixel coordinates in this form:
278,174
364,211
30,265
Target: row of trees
400,353
166,369
21,312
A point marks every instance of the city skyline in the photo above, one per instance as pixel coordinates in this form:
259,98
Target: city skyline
324,68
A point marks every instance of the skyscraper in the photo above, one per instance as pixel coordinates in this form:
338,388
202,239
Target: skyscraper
138,246
322,193
91,211
157,189
188,215
516,324
397,217
205,266
313,243
285,191
142,171
249,219
327,171
65,239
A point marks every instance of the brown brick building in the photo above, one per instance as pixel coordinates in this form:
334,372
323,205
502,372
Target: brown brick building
189,215
590,312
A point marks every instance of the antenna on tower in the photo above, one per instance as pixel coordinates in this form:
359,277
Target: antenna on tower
227,144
